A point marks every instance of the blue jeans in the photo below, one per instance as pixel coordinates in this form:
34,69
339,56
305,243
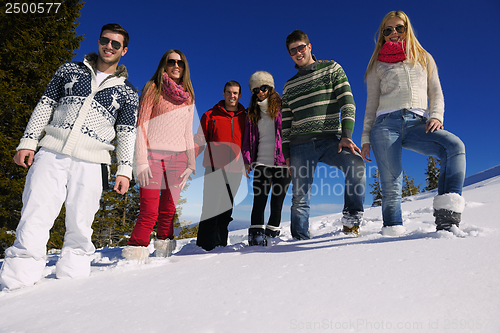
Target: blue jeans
303,160
404,129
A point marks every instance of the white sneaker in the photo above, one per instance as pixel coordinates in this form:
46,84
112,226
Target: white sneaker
393,231
139,253
164,247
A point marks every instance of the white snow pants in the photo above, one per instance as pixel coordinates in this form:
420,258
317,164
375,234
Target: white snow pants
52,180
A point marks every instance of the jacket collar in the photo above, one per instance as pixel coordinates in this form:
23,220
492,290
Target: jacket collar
309,68
91,60
221,107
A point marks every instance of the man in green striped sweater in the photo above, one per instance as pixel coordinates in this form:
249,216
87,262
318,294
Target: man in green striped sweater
318,121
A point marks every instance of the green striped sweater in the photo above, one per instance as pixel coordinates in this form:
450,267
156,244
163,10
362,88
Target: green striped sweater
319,102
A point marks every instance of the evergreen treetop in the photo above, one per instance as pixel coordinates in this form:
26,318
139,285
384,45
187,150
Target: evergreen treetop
409,187
32,47
376,190
432,173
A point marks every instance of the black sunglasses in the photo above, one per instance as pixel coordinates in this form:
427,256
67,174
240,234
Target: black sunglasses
388,31
299,48
262,88
172,62
105,41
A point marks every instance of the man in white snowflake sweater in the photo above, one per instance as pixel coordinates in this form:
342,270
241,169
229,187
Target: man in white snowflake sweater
84,107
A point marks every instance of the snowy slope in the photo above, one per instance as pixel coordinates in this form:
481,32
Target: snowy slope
424,281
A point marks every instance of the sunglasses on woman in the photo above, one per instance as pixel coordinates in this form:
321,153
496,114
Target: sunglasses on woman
388,31
105,41
299,48
262,88
172,62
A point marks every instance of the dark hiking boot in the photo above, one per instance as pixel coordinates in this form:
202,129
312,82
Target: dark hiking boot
445,219
257,237
448,210
351,222
272,233
354,230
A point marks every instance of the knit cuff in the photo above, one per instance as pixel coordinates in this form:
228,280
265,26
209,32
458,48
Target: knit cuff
346,133
124,170
436,115
347,128
365,139
27,144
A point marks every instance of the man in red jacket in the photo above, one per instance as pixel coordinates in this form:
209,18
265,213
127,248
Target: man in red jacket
221,128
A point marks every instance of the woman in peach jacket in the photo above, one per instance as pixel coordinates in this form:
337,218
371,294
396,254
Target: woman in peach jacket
164,153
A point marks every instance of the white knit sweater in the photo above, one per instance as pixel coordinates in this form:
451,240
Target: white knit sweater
76,117
267,136
402,85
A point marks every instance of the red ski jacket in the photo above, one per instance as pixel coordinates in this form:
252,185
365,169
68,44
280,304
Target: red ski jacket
223,131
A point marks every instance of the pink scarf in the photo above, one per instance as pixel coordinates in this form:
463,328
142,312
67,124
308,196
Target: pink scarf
175,91
392,52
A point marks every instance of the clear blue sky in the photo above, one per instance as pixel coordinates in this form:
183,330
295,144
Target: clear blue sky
226,40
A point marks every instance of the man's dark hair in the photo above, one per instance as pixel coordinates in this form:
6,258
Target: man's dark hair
116,28
297,36
232,84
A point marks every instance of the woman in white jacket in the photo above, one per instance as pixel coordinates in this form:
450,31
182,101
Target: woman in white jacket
404,109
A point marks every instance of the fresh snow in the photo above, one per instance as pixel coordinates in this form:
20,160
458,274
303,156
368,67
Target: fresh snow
422,281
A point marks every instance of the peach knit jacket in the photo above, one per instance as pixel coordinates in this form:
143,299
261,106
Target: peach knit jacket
166,126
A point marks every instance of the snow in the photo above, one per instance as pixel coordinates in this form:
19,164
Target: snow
422,281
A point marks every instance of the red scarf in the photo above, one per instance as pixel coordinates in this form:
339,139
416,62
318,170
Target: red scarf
174,91
392,52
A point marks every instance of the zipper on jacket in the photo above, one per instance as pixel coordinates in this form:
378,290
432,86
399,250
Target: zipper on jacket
213,130
209,148
231,145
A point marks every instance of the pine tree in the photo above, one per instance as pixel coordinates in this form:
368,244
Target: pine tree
409,187
32,47
7,238
185,229
57,232
432,173
376,190
118,213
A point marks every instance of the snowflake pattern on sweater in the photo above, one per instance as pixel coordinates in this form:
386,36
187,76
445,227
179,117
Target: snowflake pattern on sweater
78,118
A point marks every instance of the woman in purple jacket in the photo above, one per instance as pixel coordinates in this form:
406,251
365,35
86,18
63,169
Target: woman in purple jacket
262,153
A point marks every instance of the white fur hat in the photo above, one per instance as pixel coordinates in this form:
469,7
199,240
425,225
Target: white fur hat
259,79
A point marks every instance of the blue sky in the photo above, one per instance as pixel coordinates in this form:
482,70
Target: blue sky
225,40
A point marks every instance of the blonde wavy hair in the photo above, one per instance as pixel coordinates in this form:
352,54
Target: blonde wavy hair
414,51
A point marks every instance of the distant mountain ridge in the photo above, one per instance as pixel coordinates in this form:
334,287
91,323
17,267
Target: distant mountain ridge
483,175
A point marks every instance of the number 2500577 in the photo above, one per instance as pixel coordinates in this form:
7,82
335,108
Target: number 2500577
32,8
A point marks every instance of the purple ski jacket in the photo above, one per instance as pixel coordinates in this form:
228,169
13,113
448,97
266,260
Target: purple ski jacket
250,145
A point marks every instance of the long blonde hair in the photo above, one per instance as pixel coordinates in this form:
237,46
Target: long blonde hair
156,82
414,51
